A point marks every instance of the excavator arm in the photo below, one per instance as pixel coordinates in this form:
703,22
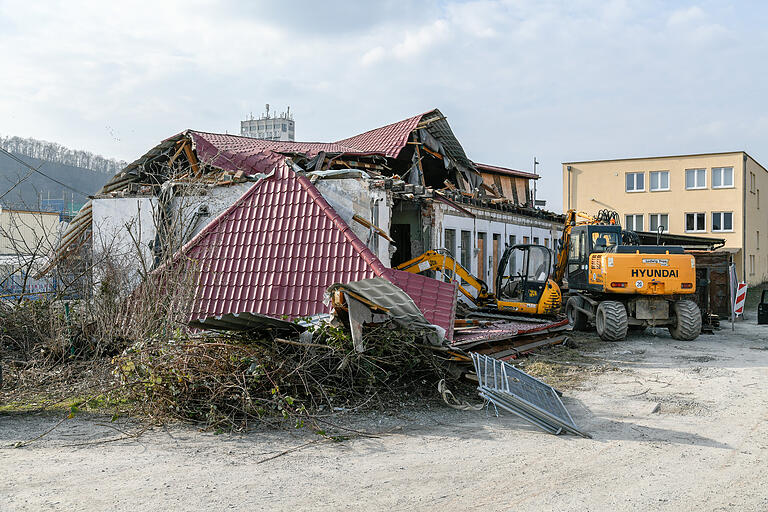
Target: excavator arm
571,220
442,261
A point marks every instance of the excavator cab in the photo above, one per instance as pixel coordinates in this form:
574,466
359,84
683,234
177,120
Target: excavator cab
587,240
526,270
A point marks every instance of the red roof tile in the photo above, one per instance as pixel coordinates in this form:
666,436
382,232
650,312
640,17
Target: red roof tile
235,153
388,140
435,299
279,247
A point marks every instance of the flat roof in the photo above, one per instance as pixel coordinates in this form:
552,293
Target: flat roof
3,209
668,156
658,157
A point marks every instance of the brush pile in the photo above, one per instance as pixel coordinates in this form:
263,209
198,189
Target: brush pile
233,381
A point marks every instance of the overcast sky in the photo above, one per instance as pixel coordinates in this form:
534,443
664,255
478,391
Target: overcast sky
561,81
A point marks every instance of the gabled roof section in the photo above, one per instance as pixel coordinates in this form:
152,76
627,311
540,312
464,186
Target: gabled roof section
388,140
276,251
281,245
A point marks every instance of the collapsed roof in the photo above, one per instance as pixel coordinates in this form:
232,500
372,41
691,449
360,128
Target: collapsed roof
278,248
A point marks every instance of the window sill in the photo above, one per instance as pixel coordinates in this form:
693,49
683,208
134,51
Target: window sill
696,188
660,190
696,231
634,191
723,231
718,188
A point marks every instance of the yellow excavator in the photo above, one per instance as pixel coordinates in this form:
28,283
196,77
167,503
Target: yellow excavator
617,284
529,290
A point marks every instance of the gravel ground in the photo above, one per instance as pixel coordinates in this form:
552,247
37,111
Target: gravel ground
676,426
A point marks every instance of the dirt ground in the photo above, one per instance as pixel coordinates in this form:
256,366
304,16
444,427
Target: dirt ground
676,426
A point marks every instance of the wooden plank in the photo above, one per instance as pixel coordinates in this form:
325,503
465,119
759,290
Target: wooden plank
192,159
370,225
178,152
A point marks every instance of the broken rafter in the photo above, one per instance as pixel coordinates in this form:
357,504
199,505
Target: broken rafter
372,226
426,123
181,143
191,158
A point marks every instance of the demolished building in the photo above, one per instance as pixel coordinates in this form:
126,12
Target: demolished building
272,225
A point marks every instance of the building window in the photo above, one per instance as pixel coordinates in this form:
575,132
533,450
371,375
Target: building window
752,182
482,250
513,256
526,240
450,241
751,264
695,222
546,243
634,222
536,240
635,182
722,177
659,220
659,180
466,250
757,238
695,179
758,199
722,221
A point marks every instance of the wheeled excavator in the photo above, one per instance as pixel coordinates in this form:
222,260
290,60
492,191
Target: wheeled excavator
529,290
615,283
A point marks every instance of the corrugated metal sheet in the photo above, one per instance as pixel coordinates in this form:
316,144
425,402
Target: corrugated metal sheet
280,246
505,171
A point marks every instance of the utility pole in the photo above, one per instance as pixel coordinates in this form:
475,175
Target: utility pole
535,164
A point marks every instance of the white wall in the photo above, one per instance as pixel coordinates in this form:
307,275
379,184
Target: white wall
215,201
350,196
491,223
122,231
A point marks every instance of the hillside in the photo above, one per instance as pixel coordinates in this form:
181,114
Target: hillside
28,193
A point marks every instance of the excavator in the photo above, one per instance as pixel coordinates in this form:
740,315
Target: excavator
529,291
617,284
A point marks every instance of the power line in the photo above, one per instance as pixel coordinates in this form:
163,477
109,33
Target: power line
25,164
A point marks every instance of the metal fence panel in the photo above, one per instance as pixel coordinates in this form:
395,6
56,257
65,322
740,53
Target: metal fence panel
519,393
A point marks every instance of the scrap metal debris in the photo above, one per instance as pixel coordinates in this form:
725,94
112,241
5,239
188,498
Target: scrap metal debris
515,391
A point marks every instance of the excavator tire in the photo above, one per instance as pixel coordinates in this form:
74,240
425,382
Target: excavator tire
611,320
687,324
576,318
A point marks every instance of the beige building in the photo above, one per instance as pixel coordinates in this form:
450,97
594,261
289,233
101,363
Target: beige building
25,232
713,194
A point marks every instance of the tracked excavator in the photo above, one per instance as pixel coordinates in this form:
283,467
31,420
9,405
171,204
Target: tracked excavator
528,291
613,282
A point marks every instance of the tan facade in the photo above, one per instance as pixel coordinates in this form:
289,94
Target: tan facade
28,233
713,195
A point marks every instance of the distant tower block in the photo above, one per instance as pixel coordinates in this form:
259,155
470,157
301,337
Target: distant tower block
270,126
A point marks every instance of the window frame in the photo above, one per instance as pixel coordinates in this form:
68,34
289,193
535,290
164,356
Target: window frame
634,219
658,215
733,181
685,225
703,187
722,222
634,173
650,181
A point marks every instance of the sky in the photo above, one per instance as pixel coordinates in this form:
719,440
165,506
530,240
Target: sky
517,79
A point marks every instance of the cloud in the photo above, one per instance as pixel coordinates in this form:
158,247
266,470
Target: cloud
561,80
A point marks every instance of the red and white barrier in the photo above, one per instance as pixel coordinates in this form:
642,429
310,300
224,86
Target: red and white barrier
741,297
